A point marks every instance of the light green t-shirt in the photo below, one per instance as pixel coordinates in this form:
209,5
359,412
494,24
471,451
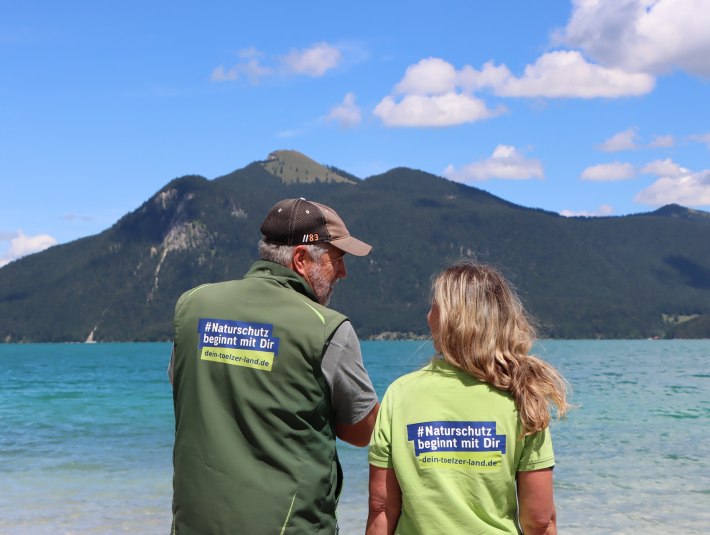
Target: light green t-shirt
454,443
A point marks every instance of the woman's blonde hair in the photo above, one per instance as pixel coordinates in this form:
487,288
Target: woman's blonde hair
484,330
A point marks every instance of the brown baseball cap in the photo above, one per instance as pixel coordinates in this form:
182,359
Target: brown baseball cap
302,222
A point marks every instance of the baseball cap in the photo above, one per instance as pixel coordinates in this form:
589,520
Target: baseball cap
302,222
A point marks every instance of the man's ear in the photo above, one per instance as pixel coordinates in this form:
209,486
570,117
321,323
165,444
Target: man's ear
300,260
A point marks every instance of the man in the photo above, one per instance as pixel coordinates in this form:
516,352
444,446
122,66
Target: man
265,376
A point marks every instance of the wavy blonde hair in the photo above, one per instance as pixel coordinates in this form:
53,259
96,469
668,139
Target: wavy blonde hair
484,330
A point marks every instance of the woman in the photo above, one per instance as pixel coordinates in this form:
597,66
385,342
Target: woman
463,446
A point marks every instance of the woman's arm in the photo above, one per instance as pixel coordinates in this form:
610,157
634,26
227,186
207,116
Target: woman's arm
385,501
536,505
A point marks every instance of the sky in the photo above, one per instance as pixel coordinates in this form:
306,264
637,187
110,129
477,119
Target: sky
584,108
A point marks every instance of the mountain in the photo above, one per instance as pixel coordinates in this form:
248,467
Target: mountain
643,275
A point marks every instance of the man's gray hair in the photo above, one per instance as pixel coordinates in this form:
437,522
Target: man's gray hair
282,254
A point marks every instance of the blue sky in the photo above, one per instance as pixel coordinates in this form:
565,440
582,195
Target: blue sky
590,107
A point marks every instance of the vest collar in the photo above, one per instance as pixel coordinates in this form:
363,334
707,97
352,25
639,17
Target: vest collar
283,275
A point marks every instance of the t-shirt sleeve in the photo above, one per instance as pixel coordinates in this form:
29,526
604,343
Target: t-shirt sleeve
379,453
537,452
351,391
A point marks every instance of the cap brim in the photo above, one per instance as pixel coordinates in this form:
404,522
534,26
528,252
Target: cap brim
352,246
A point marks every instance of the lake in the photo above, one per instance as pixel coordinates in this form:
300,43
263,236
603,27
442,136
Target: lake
86,440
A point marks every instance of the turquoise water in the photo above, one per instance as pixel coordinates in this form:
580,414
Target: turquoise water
86,437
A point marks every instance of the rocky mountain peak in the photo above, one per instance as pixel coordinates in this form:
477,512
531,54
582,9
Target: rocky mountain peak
291,166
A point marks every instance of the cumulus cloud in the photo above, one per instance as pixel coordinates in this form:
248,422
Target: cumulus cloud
22,245
566,74
625,140
490,76
347,113
506,162
665,167
601,211
314,61
433,92
431,76
613,49
436,110
432,95
687,189
609,172
651,36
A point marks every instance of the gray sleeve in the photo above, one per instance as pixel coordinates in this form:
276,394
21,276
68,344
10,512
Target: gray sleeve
351,391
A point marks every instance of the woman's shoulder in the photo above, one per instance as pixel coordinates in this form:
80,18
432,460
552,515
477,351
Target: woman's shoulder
404,381
432,373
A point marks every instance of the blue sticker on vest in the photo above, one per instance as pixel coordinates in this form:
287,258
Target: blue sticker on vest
429,437
238,343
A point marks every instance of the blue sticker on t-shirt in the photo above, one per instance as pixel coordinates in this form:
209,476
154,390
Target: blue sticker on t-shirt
429,437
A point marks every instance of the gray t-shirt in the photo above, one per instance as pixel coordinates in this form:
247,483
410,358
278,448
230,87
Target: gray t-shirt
351,392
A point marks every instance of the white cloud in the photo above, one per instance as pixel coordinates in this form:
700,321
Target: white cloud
431,76
433,97
651,36
347,114
662,142
566,74
628,140
701,138
22,245
314,61
667,168
689,189
506,162
489,76
250,67
625,140
438,110
220,74
609,172
433,93
601,211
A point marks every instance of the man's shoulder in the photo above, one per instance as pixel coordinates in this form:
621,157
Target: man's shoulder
203,288
327,316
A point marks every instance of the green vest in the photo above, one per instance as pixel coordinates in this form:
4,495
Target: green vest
254,432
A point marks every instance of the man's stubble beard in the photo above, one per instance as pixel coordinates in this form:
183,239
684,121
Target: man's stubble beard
321,286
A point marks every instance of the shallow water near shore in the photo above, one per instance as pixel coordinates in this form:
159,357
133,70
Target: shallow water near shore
86,441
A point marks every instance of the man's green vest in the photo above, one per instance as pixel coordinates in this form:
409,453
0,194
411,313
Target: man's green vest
254,431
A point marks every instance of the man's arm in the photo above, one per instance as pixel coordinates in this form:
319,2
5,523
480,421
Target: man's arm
352,395
358,434
536,505
385,503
